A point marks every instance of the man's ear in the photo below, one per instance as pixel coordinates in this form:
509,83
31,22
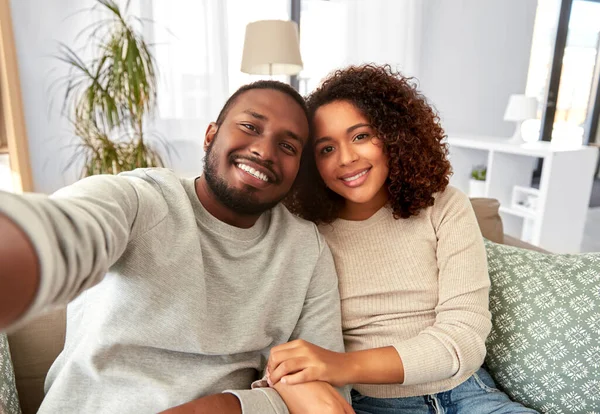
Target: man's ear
210,134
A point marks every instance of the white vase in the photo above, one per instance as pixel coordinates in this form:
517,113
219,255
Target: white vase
476,188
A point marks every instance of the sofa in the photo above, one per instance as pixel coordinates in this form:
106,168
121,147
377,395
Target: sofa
35,346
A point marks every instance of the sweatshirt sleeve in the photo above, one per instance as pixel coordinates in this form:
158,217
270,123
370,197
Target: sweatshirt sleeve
80,231
455,344
260,401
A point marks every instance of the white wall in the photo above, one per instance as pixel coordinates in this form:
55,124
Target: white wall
474,55
38,28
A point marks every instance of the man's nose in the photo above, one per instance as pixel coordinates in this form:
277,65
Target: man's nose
263,148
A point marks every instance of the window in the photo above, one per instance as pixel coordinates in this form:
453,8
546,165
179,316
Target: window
577,67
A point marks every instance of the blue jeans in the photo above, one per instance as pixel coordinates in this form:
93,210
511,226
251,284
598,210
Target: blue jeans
477,395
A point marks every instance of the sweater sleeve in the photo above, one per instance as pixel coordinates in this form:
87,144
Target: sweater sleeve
79,232
320,323
455,344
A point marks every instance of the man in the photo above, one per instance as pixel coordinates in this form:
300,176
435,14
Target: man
199,278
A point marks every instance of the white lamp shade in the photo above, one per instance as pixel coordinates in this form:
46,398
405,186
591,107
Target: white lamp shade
271,47
520,108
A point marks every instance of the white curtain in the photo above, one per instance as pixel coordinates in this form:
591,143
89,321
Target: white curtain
190,45
339,33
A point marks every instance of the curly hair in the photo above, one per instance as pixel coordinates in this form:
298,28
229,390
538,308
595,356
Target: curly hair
411,134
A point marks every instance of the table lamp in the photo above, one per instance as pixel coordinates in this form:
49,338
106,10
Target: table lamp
520,108
271,47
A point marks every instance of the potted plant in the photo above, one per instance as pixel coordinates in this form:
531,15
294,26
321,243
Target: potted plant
109,98
477,181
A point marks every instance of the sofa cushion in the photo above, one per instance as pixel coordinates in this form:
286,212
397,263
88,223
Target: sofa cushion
34,348
544,348
9,401
488,218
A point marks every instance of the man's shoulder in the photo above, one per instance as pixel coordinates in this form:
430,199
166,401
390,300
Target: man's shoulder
161,183
156,177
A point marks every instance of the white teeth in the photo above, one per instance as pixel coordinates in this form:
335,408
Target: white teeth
354,177
253,172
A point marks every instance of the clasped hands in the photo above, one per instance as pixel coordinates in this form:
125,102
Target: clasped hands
299,361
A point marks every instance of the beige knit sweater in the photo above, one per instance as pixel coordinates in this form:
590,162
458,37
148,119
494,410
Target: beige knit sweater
420,285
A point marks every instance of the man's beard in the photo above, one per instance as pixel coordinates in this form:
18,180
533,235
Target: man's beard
240,201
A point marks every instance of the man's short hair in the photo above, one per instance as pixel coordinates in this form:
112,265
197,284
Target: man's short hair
262,84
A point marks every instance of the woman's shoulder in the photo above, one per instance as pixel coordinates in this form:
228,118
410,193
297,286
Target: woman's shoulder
450,197
450,200
451,203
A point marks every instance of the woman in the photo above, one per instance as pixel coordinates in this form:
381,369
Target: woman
408,251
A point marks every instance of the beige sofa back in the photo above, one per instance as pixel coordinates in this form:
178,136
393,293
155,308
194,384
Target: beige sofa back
35,347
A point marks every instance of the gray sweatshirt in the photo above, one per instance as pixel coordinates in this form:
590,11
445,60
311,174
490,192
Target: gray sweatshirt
188,305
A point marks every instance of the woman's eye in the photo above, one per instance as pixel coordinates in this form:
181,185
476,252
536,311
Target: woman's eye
360,137
250,127
326,150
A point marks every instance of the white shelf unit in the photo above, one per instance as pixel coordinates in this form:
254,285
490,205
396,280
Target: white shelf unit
557,221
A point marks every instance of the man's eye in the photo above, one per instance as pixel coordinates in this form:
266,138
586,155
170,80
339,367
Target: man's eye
250,127
289,148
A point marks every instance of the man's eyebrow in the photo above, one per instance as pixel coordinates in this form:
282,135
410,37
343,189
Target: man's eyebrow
262,117
294,136
256,115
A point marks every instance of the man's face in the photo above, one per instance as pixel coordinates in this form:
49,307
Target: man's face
253,157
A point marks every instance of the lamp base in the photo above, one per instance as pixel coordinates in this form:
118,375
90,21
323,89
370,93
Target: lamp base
517,138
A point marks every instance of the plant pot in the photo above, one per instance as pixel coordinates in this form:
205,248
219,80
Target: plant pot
476,188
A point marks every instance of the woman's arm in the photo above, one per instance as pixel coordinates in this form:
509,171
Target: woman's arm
453,346
300,361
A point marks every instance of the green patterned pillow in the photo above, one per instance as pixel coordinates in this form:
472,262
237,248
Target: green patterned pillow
544,348
9,401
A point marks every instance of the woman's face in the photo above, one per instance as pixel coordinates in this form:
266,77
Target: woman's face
349,156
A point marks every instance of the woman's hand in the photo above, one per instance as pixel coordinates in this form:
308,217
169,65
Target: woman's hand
299,361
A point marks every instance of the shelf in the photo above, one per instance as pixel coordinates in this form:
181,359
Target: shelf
551,216
3,149
518,212
540,149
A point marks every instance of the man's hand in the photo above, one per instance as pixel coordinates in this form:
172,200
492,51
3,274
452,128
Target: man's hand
19,272
216,403
299,361
313,397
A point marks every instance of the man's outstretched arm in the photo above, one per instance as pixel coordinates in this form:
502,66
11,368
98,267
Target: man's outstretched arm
54,248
